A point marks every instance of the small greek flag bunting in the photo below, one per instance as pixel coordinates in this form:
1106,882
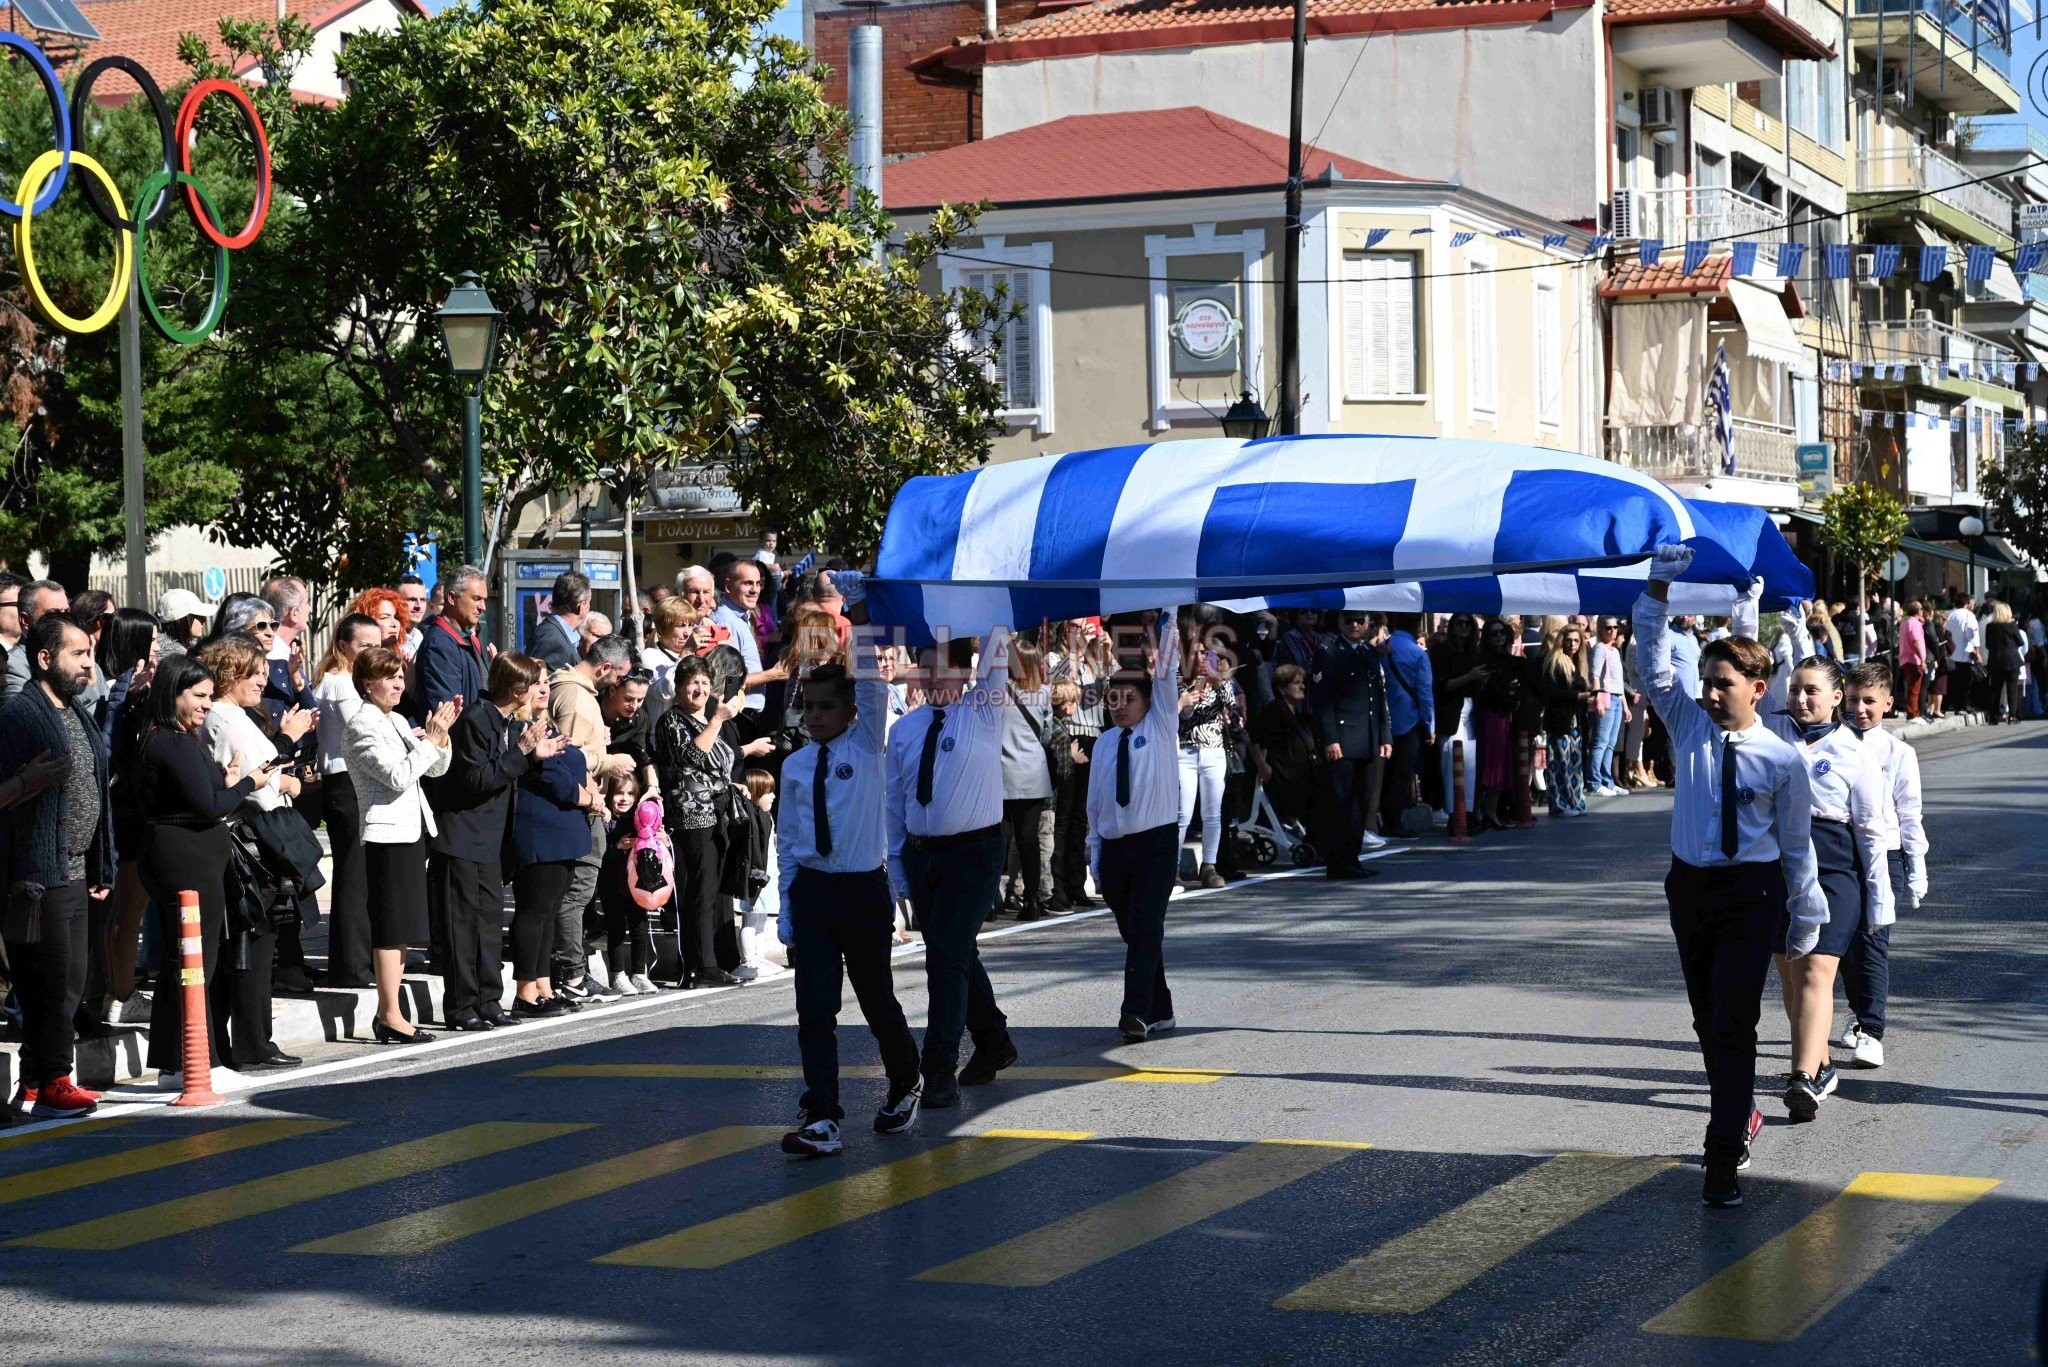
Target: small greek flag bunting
1649,249
1375,236
1855,370
1510,232
1555,240
1884,259
1743,264
1977,263
1420,232
1598,243
1933,261
2009,372
1963,370
2029,257
1791,255
1460,239
1838,258
2033,371
1696,254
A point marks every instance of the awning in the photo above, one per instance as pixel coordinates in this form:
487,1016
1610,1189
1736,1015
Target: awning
1993,553
1927,235
2003,284
1771,337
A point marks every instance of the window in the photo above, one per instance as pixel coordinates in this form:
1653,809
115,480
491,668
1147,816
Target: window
1017,359
1482,348
1549,358
1380,353
1179,396
1023,359
1625,158
1710,168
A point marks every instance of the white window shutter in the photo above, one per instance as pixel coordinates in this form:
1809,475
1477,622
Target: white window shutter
1479,338
1022,359
1356,384
1549,408
1400,290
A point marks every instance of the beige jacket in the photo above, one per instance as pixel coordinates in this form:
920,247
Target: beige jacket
572,707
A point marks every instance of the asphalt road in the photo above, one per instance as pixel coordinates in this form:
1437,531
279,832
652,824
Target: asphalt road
1448,1115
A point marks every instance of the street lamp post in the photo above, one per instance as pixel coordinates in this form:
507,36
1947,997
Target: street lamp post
1246,419
1970,528
469,332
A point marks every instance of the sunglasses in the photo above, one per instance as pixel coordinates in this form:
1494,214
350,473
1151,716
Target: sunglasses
261,626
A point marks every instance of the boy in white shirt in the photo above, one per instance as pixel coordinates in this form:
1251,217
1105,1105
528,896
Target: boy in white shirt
1866,968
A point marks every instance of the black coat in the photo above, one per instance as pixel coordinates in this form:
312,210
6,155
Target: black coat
1349,697
473,801
2005,646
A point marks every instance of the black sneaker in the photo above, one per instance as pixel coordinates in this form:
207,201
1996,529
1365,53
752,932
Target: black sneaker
901,1110
1133,1029
1802,1097
579,991
813,1139
1719,1189
988,1060
941,1091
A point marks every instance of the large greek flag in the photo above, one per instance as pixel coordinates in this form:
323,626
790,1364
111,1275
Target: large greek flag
1395,523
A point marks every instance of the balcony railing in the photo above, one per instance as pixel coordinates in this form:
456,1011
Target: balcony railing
1684,213
1927,171
1923,341
1762,451
1984,28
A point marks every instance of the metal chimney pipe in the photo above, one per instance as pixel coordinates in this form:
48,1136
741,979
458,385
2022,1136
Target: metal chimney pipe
988,18
864,100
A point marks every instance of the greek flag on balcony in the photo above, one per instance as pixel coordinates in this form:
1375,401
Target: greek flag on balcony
2029,257
1510,232
1743,263
1598,243
1375,236
1460,239
1721,401
1298,521
1791,256
1977,262
1933,261
1839,258
1884,259
1649,249
1696,254
2033,371
1555,240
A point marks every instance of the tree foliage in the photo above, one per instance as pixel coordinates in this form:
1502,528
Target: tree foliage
2016,494
1862,525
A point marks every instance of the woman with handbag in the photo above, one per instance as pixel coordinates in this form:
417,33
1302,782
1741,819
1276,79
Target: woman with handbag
694,761
238,730
1207,706
185,801
387,763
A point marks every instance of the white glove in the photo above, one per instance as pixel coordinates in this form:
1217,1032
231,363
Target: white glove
1746,617
852,585
1669,562
1916,879
1803,938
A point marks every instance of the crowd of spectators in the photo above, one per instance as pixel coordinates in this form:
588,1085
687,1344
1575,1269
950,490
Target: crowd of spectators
197,747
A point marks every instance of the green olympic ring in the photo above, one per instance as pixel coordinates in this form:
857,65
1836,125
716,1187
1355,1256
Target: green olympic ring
219,305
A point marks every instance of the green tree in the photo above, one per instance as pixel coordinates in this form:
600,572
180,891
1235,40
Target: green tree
1862,525
2016,494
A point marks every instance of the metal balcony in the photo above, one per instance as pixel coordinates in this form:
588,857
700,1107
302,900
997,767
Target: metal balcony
1922,169
1693,452
1983,30
1684,213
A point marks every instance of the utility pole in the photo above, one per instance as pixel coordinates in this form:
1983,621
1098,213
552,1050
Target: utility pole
137,595
1290,247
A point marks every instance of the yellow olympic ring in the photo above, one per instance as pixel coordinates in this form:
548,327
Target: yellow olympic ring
32,180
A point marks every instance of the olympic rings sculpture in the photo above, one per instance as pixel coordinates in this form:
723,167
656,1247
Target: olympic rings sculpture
49,173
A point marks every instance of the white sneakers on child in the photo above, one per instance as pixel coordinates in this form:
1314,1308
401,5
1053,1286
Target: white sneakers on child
1865,1051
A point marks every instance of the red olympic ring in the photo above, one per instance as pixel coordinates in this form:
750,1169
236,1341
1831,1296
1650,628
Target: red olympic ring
188,119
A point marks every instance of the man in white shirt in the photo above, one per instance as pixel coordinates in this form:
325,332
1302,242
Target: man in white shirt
946,852
1966,650
1742,859
831,865
1134,826
735,612
412,592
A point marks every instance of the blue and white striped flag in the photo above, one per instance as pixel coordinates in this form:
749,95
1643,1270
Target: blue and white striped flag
1696,254
1884,259
1977,262
1721,404
1460,239
1556,239
1743,262
1933,261
1303,521
1375,236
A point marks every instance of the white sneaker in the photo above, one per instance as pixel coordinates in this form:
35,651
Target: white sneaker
1865,1051
624,986
643,984
1371,840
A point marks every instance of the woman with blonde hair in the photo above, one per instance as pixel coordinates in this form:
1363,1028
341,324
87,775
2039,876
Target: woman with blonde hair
676,638
2005,655
1820,624
1565,691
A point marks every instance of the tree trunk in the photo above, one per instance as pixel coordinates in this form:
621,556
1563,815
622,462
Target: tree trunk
631,607
1862,608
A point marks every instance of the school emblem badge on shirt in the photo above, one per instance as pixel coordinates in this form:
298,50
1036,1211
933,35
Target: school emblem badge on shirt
1745,796
1138,742
1822,768
947,745
843,772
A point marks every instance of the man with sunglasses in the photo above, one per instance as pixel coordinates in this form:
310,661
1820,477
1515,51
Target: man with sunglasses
33,601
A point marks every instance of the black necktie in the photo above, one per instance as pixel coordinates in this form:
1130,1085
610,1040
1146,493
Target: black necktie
1123,770
821,816
929,759
1730,839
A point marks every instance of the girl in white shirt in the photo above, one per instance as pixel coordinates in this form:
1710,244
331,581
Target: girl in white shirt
1846,779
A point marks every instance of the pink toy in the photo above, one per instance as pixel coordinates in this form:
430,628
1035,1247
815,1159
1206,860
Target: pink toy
651,865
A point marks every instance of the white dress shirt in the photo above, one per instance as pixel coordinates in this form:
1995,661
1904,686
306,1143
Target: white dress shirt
855,785
1774,813
229,734
967,768
1685,661
338,701
1964,637
1899,771
1155,758
728,615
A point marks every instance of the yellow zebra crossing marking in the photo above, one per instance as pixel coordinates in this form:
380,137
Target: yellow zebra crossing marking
151,1157
788,1073
71,1131
265,1194
1088,1237
428,1229
1413,1272
746,1233
1780,1291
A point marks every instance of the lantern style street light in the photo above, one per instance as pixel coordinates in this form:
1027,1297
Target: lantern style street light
1245,419
1970,529
469,333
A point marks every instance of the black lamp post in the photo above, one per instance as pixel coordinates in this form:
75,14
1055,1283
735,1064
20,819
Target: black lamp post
1245,419
469,332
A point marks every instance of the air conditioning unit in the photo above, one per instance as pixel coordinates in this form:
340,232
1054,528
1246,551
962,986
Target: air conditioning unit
1923,315
1866,270
1659,106
1624,214
1940,128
